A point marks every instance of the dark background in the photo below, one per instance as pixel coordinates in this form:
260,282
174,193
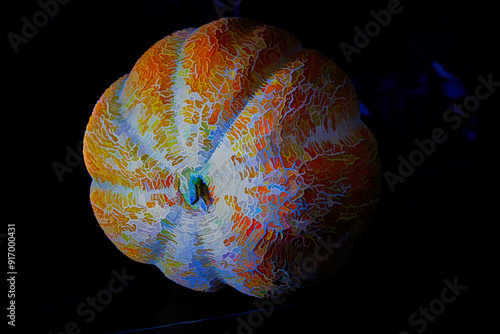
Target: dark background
439,224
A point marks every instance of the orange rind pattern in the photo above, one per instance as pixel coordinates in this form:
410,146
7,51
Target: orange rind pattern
228,155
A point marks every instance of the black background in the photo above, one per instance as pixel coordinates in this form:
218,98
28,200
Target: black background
439,224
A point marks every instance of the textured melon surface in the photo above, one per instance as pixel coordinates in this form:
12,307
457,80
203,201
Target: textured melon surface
230,155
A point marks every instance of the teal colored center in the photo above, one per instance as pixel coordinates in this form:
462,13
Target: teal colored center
194,186
195,189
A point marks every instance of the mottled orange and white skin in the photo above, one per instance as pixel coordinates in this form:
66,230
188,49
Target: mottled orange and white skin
228,155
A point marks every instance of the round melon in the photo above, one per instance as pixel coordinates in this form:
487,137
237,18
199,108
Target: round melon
232,156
